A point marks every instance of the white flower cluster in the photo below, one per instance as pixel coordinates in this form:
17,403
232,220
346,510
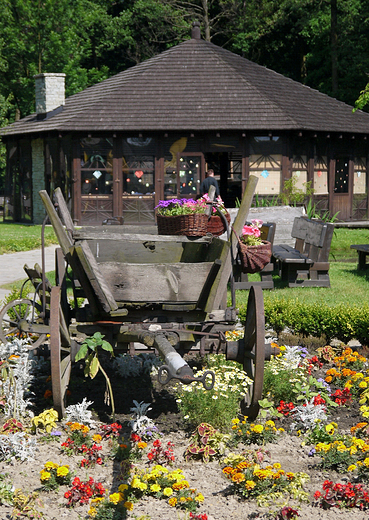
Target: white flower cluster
128,366
229,380
141,422
17,445
308,415
79,413
14,391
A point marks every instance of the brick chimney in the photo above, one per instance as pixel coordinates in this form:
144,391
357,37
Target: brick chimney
50,92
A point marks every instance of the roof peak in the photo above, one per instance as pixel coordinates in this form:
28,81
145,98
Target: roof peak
196,33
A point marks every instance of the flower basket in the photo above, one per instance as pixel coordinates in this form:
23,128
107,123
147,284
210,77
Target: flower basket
191,225
254,258
216,225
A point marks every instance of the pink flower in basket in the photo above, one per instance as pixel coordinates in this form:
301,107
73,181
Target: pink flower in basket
218,203
251,233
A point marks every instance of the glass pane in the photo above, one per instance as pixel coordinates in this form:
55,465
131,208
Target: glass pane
341,175
189,175
360,175
138,175
96,166
187,182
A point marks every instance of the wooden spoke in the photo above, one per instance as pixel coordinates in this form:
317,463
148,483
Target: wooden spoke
60,366
254,351
21,319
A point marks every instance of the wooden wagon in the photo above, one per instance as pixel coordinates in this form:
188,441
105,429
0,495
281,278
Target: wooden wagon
168,293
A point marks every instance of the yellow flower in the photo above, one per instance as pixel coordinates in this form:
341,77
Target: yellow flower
92,512
277,465
363,384
258,428
128,506
155,488
238,477
136,482
141,445
235,421
122,488
199,498
45,475
329,429
172,502
250,484
168,491
351,468
62,471
115,498
50,465
96,438
366,462
270,423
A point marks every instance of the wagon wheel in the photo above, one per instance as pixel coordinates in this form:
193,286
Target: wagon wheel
22,319
254,351
60,364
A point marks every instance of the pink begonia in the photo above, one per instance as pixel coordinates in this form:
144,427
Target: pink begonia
251,230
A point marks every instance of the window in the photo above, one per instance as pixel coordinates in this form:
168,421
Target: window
341,178
96,166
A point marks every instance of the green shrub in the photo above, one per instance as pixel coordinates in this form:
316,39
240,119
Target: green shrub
340,321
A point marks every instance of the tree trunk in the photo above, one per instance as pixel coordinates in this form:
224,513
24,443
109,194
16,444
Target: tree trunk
334,47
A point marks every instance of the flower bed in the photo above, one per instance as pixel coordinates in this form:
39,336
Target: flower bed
141,467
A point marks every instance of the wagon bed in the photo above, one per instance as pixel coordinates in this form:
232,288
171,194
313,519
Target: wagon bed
167,292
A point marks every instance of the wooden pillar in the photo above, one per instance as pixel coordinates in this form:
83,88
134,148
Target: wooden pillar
245,165
117,177
76,182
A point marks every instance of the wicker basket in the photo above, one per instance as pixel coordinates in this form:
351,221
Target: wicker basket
254,258
216,225
193,225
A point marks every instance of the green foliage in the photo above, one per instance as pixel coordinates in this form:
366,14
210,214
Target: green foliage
312,211
219,405
89,352
278,386
291,195
6,490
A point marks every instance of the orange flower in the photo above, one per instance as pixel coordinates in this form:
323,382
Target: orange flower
48,394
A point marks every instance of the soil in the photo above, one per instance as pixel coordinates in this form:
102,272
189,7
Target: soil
219,503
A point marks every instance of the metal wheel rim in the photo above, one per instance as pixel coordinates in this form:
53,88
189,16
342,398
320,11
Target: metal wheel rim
14,323
254,344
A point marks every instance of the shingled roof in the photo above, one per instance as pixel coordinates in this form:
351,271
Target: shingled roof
197,86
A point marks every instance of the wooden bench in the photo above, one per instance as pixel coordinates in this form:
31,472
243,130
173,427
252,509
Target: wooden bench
306,264
363,251
241,279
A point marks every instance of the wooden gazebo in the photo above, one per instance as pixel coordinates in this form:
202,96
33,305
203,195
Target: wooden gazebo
151,131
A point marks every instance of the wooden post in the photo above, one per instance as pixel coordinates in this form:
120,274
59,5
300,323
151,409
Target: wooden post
220,285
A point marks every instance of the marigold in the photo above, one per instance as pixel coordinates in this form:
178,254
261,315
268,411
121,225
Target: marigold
199,498
172,502
155,488
168,491
128,506
238,477
250,484
62,471
50,465
45,475
115,498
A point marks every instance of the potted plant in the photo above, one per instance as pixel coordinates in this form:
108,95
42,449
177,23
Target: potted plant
216,224
182,217
254,252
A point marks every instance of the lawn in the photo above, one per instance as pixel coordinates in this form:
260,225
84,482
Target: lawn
21,237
